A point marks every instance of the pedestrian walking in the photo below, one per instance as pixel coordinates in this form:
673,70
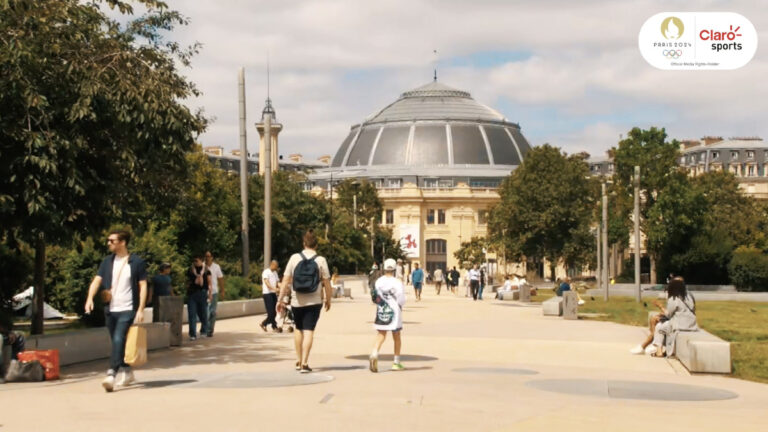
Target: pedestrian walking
483,280
308,276
217,290
417,279
198,295
373,276
455,278
437,275
269,290
389,296
161,287
122,281
474,281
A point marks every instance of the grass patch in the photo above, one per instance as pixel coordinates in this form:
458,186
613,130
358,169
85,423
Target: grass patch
743,324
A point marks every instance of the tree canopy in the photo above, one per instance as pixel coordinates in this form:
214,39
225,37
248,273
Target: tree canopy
546,209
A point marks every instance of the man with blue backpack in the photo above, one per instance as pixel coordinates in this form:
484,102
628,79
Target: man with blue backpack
305,274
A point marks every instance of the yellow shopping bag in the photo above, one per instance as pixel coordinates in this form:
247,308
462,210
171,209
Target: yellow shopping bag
136,346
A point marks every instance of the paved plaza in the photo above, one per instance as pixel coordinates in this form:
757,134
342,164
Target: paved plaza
479,366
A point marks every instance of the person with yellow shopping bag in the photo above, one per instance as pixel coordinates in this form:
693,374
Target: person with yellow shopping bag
136,346
122,286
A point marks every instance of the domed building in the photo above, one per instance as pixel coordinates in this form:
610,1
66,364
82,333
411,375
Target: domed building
437,157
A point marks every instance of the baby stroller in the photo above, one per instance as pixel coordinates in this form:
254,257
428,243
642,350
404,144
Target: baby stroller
287,317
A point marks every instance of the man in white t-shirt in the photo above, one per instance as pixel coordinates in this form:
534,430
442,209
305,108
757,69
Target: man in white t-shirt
217,288
269,289
307,301
122,282
474,281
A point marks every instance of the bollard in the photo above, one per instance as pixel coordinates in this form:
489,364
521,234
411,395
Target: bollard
570,305
170,309
524,293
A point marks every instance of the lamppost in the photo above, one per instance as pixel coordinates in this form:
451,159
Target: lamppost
636,216
605,240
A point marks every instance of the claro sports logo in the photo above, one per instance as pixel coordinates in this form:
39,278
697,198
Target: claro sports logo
697,40
733,35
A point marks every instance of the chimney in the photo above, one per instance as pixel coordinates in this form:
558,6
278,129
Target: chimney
711,139
686,144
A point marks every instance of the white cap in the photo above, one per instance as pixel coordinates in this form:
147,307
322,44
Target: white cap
390,264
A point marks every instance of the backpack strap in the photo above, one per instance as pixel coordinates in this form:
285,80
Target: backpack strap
308,259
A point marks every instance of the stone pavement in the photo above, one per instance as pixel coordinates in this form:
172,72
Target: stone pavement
470,366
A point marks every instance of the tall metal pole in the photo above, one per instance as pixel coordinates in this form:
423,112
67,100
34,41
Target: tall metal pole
354,210
267,189
243,172
605,243
637,234
599,272
371,230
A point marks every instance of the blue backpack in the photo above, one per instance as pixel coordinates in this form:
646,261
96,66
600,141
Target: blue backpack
306,275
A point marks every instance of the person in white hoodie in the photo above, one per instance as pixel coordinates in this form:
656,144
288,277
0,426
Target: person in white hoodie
389,296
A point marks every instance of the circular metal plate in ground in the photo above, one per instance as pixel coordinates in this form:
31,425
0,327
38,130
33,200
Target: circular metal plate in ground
496,371
389,357
655,391
258,380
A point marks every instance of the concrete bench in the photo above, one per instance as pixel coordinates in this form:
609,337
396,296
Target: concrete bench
701,351
509,295
570,305
553,306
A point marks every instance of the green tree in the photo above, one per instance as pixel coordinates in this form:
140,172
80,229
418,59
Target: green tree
658,162
472,251
369,205
546,208
749,269
91,113
205,215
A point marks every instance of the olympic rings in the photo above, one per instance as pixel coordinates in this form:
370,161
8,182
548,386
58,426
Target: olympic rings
672,53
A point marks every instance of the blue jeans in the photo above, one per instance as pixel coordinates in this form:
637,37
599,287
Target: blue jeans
212,313
480,294
118,324
197,307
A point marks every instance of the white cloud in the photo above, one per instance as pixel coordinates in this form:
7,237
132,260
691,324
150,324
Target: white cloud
335,62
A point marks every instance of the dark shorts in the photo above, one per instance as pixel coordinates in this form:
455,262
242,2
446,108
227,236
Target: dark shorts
306,317
417,285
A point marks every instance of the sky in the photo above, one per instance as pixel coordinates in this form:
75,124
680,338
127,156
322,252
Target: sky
569,72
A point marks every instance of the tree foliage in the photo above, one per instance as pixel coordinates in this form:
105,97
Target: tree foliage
472,251
546,208
91,118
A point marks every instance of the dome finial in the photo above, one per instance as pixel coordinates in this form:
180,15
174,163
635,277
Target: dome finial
435,76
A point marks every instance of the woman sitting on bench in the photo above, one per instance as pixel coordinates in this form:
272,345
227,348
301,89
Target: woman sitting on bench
679,315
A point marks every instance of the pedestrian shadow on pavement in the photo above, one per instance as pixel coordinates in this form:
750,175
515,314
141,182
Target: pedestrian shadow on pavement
339,368
407,369
225,347
156,384
390,357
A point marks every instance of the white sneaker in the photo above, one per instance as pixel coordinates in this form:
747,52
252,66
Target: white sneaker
650,349
126,378
109,383
637,350
581,302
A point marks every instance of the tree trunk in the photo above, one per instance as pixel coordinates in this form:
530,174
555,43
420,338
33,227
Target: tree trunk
39,283
653,269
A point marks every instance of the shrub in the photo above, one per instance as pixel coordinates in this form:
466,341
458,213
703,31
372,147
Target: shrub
749,269
238,288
